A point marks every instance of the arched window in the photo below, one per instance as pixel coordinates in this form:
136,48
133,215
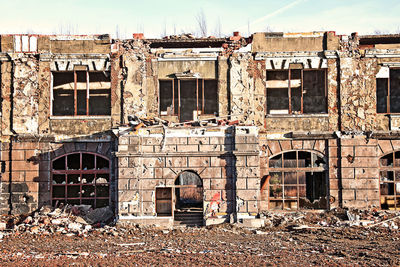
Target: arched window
81,178
297,180
389,180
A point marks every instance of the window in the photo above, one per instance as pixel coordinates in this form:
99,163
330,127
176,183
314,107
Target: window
81,178
388,93
297,180
187,98
296,91
81,92
390,181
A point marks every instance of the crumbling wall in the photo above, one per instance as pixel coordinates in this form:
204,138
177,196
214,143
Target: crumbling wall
247,100
6,96
332,84
358,93
44,82
133,78
26,95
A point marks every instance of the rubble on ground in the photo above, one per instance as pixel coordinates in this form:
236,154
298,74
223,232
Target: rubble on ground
70,220
334,218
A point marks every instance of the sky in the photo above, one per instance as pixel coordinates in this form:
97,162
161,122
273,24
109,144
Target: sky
154,18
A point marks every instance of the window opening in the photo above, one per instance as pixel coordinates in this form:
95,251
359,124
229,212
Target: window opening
188,98
81,92
388,93
300,183
389,177
81,178
296,91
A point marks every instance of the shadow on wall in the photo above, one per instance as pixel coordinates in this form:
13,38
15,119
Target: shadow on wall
42,172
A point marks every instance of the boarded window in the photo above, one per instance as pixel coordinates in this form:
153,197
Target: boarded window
81,93
296,91
185,97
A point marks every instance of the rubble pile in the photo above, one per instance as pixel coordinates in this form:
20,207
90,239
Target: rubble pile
333,218
70,220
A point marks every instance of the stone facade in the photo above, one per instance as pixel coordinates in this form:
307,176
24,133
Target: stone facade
336,157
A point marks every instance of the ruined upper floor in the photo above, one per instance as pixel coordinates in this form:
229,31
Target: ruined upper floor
318,82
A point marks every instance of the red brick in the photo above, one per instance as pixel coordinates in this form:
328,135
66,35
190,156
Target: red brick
32,176
18,155
297,144
320,146
17,176
370,151
308,144
274,147
385,146
33,186
286,145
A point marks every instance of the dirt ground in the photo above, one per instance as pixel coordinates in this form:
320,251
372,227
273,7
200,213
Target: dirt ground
211,246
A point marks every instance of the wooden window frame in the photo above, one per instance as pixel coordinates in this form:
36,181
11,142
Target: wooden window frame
74,72
302,90
200,82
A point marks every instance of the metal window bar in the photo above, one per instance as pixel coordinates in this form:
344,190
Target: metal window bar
81,172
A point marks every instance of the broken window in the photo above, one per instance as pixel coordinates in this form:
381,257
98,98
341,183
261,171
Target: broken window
81,92
298,180
388,92
296,91
81,178
188,98
390,181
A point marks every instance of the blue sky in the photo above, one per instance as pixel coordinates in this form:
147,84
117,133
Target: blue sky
154,17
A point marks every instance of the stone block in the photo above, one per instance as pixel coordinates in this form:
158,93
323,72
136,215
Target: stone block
209,148
187,148
153,162
253,183
211,172
247,194
201,161
176,162
198,141
252,161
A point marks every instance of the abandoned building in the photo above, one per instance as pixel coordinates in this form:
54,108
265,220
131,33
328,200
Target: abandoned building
210,129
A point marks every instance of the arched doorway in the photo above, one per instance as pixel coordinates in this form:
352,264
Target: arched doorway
389,181
189,191
188,199
81,178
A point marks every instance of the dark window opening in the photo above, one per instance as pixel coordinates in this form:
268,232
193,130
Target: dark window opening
301,182
296,91
81,93
388,100
81,178
188,98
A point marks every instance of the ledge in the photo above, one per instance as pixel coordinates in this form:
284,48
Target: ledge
80,117
324,115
